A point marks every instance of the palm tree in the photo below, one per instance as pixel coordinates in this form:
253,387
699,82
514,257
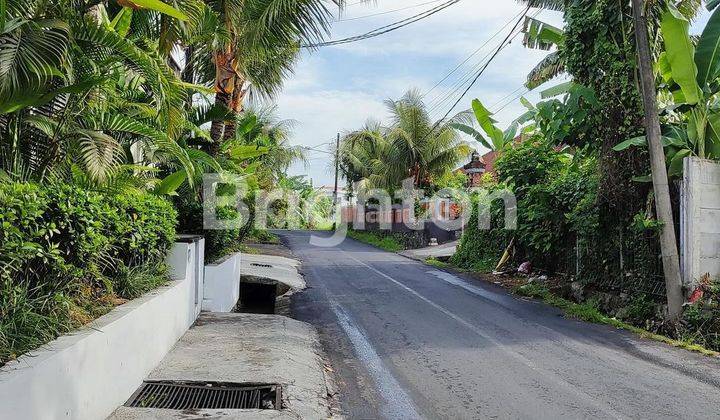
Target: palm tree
263,129
412,146
77,91
364,155
254,46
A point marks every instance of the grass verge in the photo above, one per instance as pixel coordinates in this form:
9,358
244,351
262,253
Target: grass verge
387,243
587,311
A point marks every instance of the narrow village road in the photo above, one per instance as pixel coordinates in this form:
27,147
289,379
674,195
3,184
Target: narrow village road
410,341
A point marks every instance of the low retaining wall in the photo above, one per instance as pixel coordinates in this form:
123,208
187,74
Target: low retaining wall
222,285
88,374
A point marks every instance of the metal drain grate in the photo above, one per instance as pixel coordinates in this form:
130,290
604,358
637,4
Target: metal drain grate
261,265
206,395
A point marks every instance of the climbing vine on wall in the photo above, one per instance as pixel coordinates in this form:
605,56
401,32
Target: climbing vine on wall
600,52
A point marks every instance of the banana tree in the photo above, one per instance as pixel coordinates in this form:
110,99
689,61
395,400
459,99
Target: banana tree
497,139
542,36
690,75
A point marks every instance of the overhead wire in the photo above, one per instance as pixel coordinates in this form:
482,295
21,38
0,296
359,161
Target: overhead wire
502,46
506,97
474,53
387,12
387,28
440,100
511,101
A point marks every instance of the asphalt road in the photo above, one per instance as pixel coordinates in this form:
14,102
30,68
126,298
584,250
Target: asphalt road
409,341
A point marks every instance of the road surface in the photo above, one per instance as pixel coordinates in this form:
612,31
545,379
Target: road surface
409,341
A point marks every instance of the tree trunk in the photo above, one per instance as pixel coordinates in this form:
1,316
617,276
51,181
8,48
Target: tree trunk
188,73
218,126
668,241
236,106
225,80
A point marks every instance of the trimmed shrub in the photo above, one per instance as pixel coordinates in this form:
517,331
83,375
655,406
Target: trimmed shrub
218,243
66,251
145,229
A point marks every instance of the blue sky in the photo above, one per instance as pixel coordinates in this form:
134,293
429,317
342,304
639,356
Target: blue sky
336,89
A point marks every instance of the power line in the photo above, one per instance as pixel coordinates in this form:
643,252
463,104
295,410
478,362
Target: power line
459,85
469,74
504,98
389,11
387,28
504,44
487,41
441,99
511,101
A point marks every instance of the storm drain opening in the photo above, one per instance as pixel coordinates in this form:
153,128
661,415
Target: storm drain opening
261,265
206,395
257,298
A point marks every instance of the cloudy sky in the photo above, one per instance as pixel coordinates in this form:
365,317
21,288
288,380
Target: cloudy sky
336,89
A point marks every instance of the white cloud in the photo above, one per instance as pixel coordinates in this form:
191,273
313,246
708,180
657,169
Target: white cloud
337,89
457,30
321,115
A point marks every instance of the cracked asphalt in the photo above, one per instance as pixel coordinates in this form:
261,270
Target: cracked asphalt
409,341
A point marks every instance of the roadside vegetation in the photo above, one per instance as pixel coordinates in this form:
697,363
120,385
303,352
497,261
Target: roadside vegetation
384,241
105,138
577,162
69,255
589,311
579,168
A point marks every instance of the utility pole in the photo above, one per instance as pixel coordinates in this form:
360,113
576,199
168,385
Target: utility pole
668,241
337,169
337,172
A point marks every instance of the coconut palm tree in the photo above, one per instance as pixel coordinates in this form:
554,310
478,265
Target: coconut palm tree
262,128
411,146
76,90
253,47
364,155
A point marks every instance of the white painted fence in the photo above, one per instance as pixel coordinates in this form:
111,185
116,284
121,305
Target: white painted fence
700,220
88,374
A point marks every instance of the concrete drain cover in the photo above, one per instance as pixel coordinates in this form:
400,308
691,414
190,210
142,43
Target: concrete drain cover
206,395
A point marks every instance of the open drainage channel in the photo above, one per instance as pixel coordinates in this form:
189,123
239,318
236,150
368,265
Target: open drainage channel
206,395
257,295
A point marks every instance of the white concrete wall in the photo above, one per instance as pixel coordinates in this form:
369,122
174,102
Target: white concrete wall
222,285
700,220
88,374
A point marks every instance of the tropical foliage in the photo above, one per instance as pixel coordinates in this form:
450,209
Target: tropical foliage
543,36
585,208
411,146
494,138
689,80
107,110
67,255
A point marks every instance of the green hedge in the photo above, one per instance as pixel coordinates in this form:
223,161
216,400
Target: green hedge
218,243
66,254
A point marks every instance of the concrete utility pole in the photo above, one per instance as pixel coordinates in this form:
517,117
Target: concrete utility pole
337,172
668,241
337,169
